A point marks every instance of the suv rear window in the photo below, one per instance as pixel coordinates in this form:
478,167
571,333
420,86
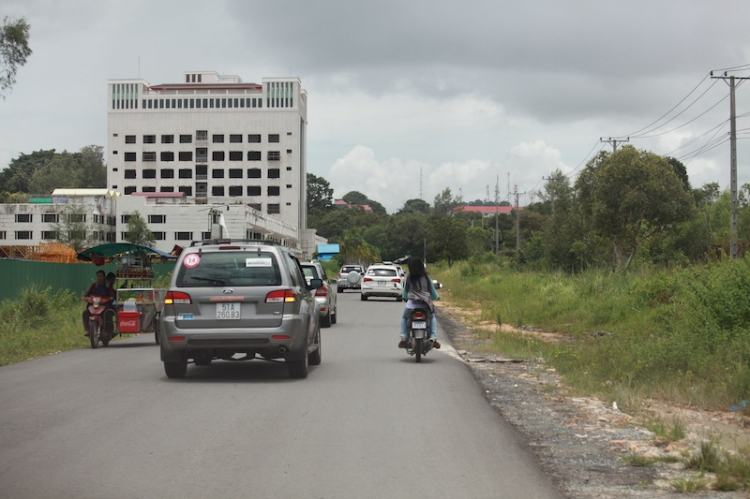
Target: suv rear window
382,272
235,268
310,272
351,268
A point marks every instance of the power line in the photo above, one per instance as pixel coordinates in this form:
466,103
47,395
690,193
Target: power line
684,124
585,158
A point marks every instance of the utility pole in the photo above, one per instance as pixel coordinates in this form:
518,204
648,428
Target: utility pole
518,218
613,142
552,195
732,161
497,209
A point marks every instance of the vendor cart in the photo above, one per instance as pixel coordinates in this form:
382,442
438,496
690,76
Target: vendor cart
138,305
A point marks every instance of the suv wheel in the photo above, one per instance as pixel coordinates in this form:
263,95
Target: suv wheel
176,369
363,297
316,357
326,320
298,367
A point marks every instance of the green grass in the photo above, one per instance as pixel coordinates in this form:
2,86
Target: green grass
673,432
681,335
40,323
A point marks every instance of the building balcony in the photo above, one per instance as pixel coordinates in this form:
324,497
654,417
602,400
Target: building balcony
201,195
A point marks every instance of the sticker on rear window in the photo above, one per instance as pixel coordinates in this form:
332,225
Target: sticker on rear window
258,262
191,261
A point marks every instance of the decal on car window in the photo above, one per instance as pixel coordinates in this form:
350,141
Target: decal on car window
258,262
191,261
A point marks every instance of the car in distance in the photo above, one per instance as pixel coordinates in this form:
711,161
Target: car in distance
228,297
381,280
343,279
324,295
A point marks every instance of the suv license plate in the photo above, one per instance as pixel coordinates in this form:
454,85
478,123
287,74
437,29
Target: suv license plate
227,311
419,325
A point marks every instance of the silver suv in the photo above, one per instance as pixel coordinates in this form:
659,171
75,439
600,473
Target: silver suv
324,295
239,297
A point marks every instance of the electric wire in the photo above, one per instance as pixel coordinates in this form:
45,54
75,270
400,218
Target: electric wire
697,137
684,124
585,158
734,68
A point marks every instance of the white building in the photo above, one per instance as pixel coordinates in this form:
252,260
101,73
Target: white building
39,220
220,142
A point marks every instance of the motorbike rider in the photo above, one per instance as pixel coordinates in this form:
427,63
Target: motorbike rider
97,288
419,291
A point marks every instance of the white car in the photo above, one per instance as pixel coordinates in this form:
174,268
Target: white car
382,280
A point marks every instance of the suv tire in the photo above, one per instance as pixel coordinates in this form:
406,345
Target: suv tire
314,358
326,320
298,367
363,297
176,369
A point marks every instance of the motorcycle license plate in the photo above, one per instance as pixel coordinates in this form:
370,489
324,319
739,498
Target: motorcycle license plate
230,311
419,325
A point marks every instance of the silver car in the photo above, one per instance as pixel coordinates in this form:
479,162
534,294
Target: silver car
324,295
382,280
239,297
345,281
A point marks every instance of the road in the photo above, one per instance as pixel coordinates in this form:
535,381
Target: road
367,423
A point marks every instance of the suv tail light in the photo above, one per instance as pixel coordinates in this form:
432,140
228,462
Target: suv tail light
420,316
321,291
397,279
281,296
367,279
173,297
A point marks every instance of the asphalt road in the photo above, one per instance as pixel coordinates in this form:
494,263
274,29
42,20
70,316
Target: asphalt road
367,423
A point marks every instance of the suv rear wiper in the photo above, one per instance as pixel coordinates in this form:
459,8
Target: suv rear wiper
210,279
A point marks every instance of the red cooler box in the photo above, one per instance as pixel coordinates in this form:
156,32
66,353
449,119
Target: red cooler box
128,322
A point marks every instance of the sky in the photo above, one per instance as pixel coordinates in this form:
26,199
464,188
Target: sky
407,98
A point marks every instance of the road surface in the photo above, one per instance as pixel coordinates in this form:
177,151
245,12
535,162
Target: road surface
367,423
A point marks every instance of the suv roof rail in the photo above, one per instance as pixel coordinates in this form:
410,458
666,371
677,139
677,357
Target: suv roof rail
210,242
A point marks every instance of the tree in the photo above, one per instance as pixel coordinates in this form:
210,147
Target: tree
630,196
356,197
138,231
92,171
71,227
415,206
17,176
61,172
319,193
14,49
447,240
445,202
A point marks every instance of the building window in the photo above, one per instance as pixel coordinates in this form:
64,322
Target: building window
288,133
185,173
166,188
183,236
274,173
274,156
235,139
218,139
24,234
288,186
167,156
167,173
159,236
149,139
217,173
201,134
235,190
157,219
253,190
273,209
129,189
24,218
49,235
288,168
274,190
186,155
253,156
254,138
149,173
50,218
273,137
201,155
167,139
149,157
186,139
201,172
130,139
130,156
217,190
186,189
130,174
253,173
148,188
124,235
217,155
235,173
124,219
255,206
76,218
235,155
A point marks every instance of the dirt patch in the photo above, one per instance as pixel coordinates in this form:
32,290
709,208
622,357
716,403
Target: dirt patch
581,442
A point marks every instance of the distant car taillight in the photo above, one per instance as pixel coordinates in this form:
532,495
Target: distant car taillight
321,292
367,279
173,297
281,296
420,316
398,279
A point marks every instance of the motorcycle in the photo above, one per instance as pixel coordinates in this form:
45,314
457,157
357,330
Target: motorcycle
418,342
101,320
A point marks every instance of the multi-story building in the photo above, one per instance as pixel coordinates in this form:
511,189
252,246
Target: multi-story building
88,211
217,140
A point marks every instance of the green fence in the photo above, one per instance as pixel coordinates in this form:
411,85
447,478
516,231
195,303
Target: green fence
15,275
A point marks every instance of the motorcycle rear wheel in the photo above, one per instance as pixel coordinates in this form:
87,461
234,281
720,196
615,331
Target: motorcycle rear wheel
418,349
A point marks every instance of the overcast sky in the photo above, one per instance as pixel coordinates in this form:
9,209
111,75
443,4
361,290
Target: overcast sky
465,91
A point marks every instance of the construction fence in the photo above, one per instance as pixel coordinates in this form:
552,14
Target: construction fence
16,275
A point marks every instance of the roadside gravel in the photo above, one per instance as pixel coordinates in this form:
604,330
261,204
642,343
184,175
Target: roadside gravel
580,442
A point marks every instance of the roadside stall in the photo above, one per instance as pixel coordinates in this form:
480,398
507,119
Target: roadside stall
138,304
